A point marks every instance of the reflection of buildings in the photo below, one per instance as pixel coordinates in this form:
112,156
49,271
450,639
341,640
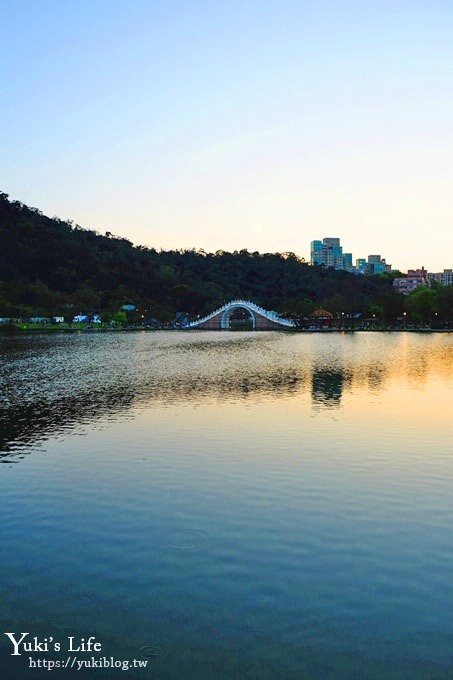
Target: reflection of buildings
125,375
327,387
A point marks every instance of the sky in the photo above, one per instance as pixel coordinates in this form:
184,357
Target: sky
231,124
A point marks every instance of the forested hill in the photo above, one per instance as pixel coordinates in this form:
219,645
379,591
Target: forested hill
48,265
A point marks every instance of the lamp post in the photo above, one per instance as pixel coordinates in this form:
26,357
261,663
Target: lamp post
405,320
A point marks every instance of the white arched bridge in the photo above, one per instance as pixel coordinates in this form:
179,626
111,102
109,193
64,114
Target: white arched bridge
262,319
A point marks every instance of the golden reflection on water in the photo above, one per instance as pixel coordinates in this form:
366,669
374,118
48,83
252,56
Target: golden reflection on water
48,387
405,361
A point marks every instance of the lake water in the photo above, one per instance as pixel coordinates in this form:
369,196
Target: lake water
230,505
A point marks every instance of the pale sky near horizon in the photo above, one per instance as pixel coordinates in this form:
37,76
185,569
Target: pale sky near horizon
228,125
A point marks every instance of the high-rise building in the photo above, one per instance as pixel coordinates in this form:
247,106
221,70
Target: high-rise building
347,261
329,253
360,264
316,252
324,252
377,265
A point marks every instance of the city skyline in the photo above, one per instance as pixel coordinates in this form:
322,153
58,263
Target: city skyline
229,126
329,253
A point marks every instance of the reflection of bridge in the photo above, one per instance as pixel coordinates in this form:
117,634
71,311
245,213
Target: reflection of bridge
262,319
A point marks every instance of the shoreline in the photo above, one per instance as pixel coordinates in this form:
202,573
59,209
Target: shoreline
17,330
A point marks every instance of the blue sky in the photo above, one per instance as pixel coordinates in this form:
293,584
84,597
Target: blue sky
229,125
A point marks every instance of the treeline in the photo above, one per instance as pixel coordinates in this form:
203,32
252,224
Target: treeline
50,266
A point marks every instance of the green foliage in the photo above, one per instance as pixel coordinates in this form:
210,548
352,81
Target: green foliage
445,303
120,318
377,311
391,304
422,303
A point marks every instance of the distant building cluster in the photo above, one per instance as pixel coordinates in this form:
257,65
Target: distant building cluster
329,253
420,277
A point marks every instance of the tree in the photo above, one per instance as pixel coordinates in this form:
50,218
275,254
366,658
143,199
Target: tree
422,303
120,318
445,303
376,310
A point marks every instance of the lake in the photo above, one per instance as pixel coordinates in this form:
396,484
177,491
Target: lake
229,505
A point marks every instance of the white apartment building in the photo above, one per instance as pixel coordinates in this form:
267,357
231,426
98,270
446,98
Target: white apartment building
445,278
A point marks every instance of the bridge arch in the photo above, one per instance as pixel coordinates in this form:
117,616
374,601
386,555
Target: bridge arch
262,319
225,320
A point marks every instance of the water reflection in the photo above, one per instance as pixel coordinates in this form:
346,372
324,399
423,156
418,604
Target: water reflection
50,384
22,424
255,504
327,388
